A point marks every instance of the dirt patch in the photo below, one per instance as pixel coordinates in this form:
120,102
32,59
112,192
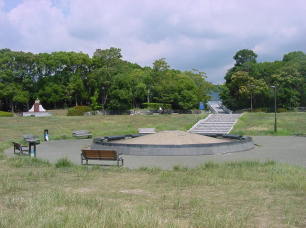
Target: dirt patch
80,190
135,192
172,138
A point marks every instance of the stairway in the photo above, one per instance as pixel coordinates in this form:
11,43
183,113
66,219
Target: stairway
217,107
215,124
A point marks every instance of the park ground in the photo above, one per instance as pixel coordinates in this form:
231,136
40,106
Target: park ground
233,194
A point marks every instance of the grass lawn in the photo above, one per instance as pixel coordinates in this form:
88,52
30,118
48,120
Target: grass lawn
61,127
34,193
288,123
245,194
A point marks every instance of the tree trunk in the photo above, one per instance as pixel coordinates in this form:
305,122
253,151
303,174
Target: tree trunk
148,96
105,99
12,107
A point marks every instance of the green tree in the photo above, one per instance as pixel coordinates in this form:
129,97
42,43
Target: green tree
245,56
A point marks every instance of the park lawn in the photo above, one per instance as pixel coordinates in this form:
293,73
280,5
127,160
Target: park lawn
288,123
245,194
61,127
35,193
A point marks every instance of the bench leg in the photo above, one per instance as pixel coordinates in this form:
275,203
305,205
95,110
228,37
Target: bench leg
86,162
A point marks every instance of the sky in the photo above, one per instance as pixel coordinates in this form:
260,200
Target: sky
190,34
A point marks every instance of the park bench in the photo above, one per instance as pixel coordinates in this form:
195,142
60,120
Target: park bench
82,134
146,130
107,155
21,149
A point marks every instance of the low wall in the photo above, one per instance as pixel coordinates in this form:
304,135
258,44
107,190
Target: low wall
238,144
36,114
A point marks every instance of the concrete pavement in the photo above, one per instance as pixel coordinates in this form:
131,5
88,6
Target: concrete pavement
284,149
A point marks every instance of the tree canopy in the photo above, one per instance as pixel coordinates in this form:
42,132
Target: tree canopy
105,80
251,80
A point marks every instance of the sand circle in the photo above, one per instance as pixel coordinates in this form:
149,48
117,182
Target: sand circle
172,138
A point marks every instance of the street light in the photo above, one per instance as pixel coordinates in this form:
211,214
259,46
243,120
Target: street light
275,122
252,88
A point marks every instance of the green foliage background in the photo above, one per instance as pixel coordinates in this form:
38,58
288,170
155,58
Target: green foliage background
103,81
249,80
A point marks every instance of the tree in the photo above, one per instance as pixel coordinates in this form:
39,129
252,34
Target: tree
245,56
52,94
288,82
241,89
203,87
288,75
160,65
105,67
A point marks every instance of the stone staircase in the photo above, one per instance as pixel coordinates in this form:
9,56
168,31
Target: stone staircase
215,124
217,107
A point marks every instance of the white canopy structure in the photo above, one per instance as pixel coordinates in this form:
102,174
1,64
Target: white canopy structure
37,110
37,107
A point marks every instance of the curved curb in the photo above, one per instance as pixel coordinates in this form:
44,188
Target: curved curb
240,144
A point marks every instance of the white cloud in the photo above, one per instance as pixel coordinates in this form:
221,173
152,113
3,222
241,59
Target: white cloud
202,34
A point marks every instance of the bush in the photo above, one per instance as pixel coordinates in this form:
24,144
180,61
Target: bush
63,162
156,106
6,114
78,110
260,110
282,110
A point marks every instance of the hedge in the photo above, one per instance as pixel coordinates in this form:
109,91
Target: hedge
78,110
6,114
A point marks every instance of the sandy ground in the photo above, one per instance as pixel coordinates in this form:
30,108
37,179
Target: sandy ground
171,138
284,149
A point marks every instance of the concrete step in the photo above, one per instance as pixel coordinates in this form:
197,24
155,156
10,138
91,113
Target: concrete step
216,124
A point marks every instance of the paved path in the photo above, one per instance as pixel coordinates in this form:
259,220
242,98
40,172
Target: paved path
215,124
285,149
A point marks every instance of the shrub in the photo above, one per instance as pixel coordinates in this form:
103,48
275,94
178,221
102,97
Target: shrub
6,114
63,162
78,110
282,110
156,106
260,110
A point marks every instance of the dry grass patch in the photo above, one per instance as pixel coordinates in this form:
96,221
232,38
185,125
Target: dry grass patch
213,195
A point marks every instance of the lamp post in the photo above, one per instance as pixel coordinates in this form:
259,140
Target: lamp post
275,121
251,89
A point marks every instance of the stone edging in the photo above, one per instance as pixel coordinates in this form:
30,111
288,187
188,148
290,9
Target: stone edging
239,144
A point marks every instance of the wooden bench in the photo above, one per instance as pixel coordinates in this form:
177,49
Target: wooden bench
21,149
107,155
82,134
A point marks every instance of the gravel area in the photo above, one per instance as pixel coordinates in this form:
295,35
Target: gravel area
284,149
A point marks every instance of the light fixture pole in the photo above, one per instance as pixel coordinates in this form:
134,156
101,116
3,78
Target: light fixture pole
275,120
252,88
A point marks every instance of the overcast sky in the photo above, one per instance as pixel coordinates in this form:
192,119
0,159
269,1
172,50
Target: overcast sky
190,34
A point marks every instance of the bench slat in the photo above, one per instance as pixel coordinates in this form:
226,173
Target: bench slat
110,155
100,154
